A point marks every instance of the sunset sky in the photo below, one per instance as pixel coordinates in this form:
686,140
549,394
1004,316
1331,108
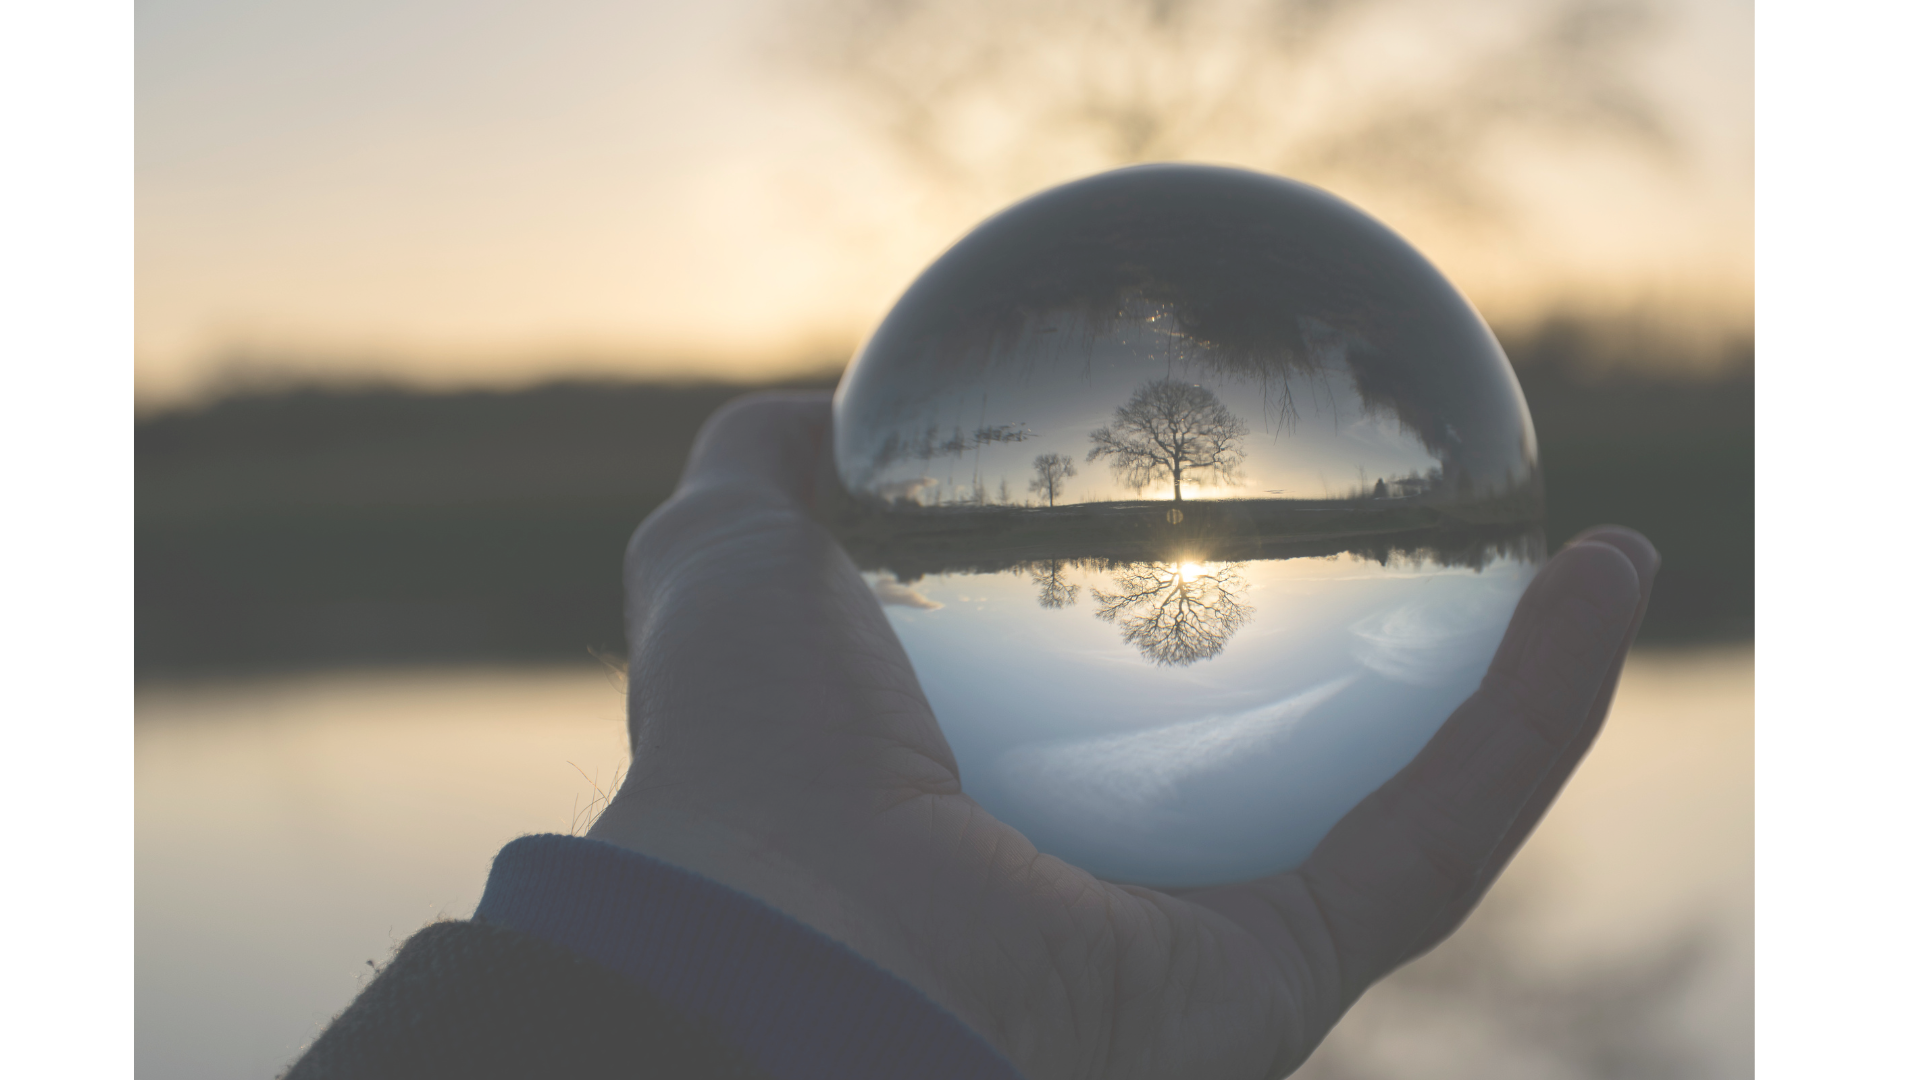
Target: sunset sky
480,193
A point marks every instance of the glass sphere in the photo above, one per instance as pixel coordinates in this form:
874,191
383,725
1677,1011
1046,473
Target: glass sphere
1199,499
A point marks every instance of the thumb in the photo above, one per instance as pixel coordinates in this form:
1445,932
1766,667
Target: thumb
771,439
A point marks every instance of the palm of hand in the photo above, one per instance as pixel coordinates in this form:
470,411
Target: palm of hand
782,746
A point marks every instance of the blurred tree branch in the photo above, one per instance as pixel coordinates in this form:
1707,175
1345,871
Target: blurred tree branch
997,97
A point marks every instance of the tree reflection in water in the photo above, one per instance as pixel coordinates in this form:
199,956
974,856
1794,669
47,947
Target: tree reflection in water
1176,613
1055,590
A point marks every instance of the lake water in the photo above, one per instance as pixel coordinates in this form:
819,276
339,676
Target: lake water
1186,723
291,829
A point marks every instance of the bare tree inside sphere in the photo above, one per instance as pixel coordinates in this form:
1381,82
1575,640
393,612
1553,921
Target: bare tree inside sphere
1051,472
1176,614
1055,590
1171,430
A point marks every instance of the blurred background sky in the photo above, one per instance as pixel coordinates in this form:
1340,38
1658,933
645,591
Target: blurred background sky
477,193
432,297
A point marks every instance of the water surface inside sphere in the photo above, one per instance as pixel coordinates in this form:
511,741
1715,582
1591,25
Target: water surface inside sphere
1199,499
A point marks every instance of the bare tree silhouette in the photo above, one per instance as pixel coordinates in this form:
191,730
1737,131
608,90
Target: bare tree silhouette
1171,430
1176,613
1051,472
1055,591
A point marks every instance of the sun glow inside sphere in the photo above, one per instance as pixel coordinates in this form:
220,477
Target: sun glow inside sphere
1199,499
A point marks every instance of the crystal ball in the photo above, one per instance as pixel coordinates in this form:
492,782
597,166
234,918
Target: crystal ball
1198,499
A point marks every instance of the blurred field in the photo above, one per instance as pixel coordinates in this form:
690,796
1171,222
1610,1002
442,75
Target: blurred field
317,527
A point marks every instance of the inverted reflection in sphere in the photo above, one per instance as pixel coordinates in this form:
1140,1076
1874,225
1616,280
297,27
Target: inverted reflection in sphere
1199,500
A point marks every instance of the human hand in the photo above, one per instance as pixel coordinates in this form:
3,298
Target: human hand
782,746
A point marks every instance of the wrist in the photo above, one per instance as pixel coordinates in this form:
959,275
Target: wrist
794,1001
748,861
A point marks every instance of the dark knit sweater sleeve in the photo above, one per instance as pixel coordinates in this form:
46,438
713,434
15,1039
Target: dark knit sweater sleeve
588,960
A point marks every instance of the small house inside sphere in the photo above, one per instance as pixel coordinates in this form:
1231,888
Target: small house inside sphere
1199,499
